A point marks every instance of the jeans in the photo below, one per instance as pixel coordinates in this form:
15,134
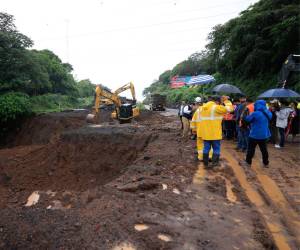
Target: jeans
215,144
251,150
243,135
200,146
282,137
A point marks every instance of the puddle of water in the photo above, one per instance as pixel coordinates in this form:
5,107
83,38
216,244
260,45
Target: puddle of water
140,227
33,199
164,237
198,197
96,125
199,175
57,205
164,186
229,193
124,246
237,220
176,191
52,194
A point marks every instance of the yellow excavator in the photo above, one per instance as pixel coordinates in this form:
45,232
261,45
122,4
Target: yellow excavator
124,112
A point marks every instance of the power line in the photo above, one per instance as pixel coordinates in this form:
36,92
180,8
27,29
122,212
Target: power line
144,26
212,7
209,7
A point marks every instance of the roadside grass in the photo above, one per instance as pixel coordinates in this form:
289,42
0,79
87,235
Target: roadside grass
55,103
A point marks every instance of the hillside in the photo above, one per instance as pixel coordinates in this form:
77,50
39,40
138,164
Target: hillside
247,51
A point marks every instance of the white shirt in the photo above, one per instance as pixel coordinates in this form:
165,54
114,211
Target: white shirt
181,110
282,117
186,110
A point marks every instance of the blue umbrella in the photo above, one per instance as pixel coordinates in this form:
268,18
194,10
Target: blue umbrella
279,93
227,88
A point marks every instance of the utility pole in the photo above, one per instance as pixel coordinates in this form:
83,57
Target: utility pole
67,40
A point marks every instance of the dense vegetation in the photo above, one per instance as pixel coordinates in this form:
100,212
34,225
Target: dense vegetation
247,51
34,81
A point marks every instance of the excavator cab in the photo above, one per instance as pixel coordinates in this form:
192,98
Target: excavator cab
291,64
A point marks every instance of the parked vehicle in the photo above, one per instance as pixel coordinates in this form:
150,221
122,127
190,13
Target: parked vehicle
158,102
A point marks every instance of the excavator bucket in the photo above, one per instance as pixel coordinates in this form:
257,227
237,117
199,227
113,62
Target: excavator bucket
90,118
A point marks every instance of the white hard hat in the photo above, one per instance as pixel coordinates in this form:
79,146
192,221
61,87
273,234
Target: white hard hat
274,101
198,99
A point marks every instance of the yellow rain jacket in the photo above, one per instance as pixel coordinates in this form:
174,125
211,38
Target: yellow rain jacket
195,124
211,117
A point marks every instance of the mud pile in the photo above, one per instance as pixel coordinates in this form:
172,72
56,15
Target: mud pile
46,128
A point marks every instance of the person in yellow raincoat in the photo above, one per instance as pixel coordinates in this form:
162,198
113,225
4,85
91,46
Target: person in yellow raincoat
196,129
211,117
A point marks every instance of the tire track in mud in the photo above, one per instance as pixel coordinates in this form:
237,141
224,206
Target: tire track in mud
222,184
277,198
278,224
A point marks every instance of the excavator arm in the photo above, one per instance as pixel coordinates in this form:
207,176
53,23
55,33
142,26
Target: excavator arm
106,94
124,88
102,96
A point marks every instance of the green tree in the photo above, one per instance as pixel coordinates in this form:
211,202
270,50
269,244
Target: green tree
13,55
255,44
85,88
59,74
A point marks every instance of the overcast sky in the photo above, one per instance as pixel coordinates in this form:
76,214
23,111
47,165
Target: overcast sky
116,41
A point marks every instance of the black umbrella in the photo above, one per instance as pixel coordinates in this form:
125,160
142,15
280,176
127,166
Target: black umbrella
279,93
227,88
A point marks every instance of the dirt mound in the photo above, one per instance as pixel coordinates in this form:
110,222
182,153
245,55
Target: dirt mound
78,160
44,128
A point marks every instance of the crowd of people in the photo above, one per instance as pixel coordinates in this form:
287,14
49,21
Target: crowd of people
248,123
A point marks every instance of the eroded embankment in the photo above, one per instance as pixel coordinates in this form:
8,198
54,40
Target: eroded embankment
80,159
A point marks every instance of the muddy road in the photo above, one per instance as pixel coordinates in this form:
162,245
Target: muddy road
68,185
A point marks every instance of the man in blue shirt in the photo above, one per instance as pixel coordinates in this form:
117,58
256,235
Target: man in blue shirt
259,132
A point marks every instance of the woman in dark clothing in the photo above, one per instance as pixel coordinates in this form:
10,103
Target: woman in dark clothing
274,131
295,123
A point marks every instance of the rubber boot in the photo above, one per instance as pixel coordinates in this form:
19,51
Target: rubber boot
215,160
205,160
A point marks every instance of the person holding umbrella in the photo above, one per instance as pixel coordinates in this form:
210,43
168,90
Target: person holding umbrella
282,121
274,107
